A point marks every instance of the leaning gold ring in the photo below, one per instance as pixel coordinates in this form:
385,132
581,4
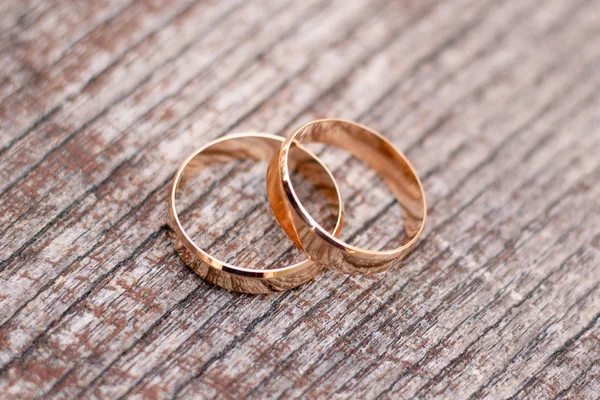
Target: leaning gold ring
259,146
381,155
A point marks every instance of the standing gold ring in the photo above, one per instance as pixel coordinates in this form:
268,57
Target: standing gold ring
381,155
259,146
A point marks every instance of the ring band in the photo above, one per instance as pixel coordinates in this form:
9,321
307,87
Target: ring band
381,155
260,146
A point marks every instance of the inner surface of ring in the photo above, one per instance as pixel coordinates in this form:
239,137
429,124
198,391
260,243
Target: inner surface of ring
380,155
232,195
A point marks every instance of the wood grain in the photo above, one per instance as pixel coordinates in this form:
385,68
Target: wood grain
496,103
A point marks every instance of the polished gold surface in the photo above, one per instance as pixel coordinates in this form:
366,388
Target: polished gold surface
260,146
381,155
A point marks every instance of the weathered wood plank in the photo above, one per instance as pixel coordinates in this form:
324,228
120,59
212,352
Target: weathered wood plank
495,103
46,32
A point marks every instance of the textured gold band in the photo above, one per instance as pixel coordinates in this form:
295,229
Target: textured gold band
260,146
381,155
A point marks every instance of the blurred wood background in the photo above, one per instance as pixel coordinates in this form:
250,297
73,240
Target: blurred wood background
496,103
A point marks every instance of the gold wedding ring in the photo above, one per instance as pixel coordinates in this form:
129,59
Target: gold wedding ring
381,155
260,146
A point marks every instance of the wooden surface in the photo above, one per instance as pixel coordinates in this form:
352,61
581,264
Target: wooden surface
496,103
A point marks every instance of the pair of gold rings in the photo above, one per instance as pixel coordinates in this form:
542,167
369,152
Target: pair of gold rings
323,248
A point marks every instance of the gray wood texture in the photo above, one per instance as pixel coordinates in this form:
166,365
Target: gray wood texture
496,103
